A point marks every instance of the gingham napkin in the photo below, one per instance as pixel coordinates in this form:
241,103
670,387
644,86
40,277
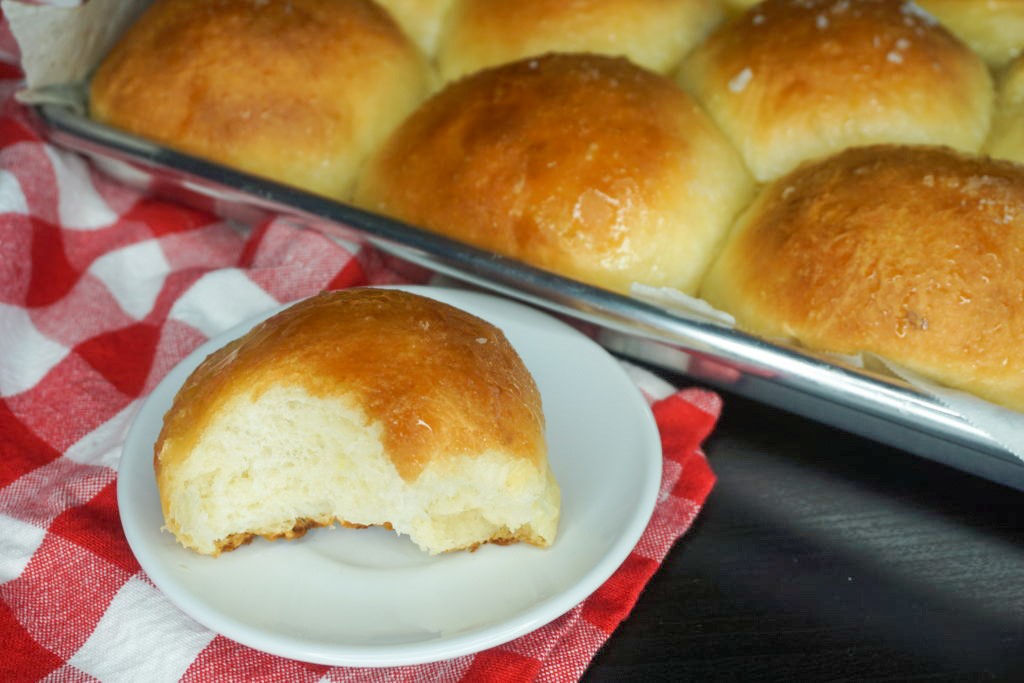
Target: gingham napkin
102,291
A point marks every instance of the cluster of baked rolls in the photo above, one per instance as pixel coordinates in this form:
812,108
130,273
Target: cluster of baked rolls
844,174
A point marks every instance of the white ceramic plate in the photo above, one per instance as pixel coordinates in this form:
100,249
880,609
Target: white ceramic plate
368,597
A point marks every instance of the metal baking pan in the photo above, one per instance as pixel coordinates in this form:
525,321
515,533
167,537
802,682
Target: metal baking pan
873,405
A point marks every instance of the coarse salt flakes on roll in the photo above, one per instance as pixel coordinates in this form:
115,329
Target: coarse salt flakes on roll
655,34
585,165
912,253
364,407
298,91
796,80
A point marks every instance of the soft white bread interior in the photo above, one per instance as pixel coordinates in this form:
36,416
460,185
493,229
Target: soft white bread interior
993,28
914,254
299,91
1006,140
793,81
585,165
652,33
363,407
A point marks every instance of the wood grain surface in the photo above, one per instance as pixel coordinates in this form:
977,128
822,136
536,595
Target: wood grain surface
823,556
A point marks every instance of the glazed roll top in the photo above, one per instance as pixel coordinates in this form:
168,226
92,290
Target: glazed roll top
915,254
652,33
299,91
366,407
585,165
796,80
993,28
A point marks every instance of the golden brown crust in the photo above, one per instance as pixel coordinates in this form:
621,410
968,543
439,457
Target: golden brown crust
652,33
440,382
297,91
585,165
915,254
793,80
304,525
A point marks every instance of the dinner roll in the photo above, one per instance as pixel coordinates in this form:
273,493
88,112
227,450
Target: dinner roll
652,33
994,28
365,407
1007,138
420,19
793,80
299,91
914,254
585,165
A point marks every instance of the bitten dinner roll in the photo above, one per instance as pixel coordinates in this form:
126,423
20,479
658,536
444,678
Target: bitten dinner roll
915,254
1007,138
584,165
652,33
796,80
299,91
993,28
363,407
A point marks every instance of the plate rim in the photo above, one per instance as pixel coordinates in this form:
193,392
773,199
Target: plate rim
532,617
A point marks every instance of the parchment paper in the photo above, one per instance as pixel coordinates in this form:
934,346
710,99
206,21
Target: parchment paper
61,45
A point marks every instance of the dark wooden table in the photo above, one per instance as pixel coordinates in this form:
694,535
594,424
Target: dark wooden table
823,556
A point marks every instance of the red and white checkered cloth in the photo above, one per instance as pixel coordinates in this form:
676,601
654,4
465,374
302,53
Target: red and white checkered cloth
102,291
